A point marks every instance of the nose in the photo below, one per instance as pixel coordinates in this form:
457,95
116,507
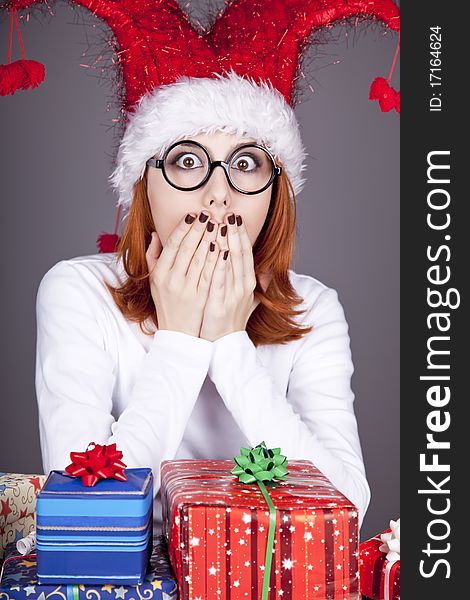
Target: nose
217,190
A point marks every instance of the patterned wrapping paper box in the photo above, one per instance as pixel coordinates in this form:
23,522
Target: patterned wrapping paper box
16,531
217,529
98,534
18,494
19,581
380,579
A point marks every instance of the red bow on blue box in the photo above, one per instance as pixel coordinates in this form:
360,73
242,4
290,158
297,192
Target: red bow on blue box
97,462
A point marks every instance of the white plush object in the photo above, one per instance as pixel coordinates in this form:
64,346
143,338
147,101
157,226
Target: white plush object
194,105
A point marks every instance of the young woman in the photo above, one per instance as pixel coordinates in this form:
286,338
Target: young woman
196,338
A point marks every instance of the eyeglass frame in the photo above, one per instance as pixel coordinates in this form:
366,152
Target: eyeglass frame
158,163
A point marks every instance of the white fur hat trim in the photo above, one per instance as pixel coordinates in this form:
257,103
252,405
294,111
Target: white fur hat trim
193,105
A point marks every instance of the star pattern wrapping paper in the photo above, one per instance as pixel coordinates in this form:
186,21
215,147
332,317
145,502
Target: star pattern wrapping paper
373,566
217,529
18,494
18,581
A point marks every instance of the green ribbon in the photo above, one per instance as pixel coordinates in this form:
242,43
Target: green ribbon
263,465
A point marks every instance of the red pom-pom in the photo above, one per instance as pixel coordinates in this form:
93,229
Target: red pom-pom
380,90
34,73
397,103
20,75
107,242
11,78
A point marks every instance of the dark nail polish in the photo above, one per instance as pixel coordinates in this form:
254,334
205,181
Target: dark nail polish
203,217
231,219
225,254
223,230
210,226
212,246
239,220
189,219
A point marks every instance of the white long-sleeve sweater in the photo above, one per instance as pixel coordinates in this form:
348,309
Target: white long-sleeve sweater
172,395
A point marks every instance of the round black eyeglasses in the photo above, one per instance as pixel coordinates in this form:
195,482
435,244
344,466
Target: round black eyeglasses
187,166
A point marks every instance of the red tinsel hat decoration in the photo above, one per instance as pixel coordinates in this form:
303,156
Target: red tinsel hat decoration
240,76
21,74
97,462
240,39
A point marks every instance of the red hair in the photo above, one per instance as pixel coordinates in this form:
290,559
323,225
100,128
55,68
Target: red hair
273,320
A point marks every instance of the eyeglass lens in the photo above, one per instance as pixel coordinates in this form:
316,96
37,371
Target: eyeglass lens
187,165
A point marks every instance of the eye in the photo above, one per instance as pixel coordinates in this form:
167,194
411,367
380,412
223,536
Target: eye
245,163
187,161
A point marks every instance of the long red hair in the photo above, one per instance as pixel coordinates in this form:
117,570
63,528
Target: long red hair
274,319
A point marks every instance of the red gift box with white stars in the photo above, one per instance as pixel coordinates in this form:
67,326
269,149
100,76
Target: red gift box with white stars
216,528
379,580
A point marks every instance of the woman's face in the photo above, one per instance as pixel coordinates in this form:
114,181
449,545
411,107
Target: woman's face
216,197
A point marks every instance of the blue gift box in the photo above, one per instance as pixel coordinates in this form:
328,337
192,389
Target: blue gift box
94,535
18,580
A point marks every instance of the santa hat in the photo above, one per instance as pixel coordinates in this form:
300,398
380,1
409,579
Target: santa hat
238,77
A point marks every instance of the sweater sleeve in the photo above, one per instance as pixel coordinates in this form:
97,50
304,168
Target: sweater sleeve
315,420
76,375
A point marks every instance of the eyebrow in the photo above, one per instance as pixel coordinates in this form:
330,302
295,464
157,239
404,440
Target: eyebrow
242,144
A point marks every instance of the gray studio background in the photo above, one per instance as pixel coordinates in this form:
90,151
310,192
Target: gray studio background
56,155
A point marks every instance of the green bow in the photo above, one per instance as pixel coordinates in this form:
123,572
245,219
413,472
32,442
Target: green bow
259,465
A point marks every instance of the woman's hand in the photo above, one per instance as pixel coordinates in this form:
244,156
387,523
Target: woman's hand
231,297
180,274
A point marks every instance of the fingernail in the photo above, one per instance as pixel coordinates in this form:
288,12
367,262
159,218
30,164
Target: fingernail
239,220
225,254
189,219
212,246
210,226
203,217
231,219
223,230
